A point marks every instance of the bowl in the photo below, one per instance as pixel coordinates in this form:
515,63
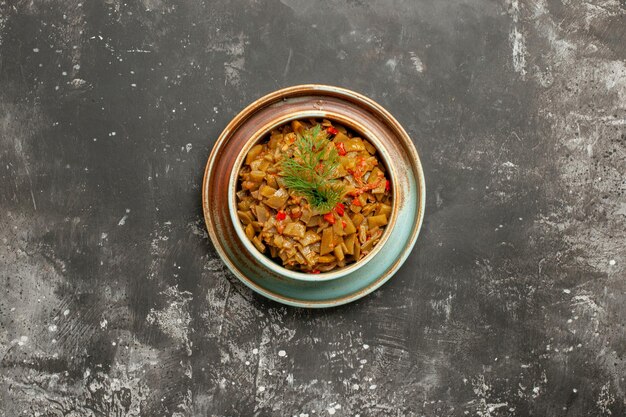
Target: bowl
251,126
259,137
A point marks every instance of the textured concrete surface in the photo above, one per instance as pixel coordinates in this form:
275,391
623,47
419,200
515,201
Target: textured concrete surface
114,303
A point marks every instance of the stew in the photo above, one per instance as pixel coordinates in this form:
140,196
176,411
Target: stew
314,196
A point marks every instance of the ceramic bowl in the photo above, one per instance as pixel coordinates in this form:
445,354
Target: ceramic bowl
251,126
233,186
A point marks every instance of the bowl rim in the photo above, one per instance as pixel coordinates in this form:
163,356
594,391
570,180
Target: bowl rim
280,294
265,259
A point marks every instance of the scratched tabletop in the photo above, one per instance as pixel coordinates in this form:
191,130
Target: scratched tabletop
115,303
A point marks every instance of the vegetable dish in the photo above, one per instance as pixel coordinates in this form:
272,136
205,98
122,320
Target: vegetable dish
314,196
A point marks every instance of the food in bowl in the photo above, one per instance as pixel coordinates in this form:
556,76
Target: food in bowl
314,196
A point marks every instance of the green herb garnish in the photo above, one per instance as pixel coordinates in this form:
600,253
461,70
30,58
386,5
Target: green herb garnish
310,170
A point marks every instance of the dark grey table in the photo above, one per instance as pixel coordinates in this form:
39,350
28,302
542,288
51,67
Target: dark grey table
114,302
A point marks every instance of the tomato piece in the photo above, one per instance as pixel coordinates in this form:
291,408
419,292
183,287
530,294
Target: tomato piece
281,215
387,185
344,224
316,271
331,130
340,209
341,149
329,218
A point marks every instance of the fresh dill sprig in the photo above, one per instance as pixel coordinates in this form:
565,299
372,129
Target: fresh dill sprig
310,170
325,198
